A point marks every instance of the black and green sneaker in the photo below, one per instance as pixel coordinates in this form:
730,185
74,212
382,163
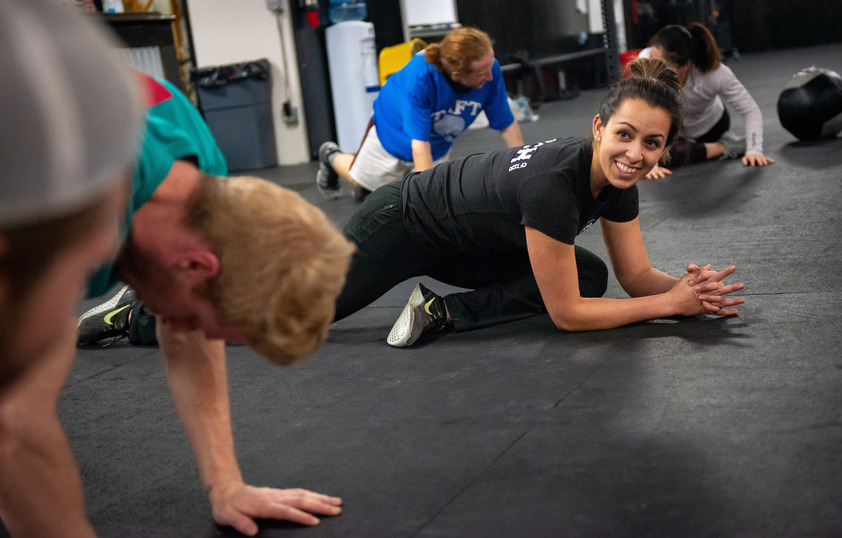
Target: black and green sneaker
424,312
108,320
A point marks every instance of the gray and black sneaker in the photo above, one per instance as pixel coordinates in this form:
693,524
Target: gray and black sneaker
424,312
735,145
327,180
108,320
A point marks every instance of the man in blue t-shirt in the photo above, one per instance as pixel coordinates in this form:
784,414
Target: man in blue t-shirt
419,113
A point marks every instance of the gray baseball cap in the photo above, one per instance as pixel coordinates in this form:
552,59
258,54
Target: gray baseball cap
70,111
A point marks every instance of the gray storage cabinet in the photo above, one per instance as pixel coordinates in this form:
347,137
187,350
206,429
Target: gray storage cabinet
236,102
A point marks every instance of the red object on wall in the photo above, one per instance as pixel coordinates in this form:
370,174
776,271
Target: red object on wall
626,58
311,8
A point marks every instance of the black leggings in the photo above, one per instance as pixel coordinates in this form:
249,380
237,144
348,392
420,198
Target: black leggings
503,288
686,151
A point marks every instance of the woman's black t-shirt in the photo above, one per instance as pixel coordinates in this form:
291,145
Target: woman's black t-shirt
478,205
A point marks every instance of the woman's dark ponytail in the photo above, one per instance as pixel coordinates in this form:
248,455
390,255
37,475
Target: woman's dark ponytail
694,43
706,54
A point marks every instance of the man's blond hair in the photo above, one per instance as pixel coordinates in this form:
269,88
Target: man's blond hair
282,263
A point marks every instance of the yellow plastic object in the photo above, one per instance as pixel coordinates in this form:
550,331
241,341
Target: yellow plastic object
391,59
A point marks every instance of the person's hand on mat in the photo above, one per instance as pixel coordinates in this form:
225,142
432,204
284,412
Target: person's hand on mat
239,505
700,274
710,289
757,160
685,299
659,172
713,297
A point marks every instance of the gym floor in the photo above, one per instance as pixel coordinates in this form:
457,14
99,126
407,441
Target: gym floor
675,427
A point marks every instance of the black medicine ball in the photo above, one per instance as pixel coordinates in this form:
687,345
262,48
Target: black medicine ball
810,105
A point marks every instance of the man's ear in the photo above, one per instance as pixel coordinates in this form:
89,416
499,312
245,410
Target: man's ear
199,263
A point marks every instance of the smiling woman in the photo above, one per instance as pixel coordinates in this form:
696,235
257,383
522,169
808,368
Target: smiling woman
503,225
631,141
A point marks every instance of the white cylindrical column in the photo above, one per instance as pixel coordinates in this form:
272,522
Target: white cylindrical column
352,64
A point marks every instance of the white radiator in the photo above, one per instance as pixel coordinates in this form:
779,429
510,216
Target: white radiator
144,59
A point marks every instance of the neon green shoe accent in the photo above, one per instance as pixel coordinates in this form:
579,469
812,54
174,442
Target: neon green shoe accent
114,313
427,306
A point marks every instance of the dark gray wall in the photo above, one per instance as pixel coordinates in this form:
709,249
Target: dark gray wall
779,24
313,72
748,25
385,15
539,27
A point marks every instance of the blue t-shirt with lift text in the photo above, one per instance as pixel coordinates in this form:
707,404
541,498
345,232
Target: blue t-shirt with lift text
418,103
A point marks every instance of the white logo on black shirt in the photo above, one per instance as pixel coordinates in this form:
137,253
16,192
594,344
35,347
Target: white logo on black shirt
525,153
588,225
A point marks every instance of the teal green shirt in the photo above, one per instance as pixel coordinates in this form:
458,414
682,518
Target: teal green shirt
174,130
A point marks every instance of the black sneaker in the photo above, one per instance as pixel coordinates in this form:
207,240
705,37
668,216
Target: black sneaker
327,180
108,320
423,313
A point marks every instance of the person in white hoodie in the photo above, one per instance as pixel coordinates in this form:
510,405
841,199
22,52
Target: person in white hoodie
692,52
